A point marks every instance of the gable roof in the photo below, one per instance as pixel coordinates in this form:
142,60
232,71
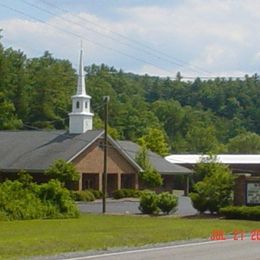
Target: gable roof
158,162
36,150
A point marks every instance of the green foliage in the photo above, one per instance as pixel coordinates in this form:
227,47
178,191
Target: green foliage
23,199
149,176
126,193
149,203
198,201
58,200
8,119
199,116
167,202
214,191
83,195
97,193
155,141
244,143
243,212
62,171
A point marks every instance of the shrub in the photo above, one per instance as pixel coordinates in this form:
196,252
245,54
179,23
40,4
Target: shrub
97,193
83,195
17,202
198,202
167,202
126,193
23,199
149,203
58,200
214,191
243,212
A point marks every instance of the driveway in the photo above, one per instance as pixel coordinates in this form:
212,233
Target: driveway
130,206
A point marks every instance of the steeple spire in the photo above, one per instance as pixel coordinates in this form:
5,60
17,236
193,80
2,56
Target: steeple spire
81,117
81,87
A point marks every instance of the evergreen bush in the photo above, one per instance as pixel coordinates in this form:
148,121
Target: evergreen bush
167,202
149,203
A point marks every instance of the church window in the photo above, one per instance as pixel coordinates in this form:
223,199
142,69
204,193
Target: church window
86,104
77,104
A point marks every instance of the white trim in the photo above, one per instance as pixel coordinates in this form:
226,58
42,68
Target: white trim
124,154
85,147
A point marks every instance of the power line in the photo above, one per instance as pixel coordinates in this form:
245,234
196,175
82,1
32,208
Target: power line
163,78
178,63
86,39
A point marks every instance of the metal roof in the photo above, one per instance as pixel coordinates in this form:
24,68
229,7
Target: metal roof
158,162
222,158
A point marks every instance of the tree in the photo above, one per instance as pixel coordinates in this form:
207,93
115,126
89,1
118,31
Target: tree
214,191
244,143
62,171
203,140
8,118
149,176
155,140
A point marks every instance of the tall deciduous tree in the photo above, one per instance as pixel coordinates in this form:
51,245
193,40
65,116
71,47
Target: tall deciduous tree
149,176
155,141
244,143
62,171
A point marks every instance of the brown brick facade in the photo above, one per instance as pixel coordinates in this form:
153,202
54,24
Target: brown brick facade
240,191
91,162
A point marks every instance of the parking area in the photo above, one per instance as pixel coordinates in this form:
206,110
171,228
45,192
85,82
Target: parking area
130,206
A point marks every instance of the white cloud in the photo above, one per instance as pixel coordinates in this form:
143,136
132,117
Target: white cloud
220,36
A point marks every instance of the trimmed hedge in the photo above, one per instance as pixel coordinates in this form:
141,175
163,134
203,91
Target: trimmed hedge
152,203
149,203
243,212
83,195
167,202
97,193
126,193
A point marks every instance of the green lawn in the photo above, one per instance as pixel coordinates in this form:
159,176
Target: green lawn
46,237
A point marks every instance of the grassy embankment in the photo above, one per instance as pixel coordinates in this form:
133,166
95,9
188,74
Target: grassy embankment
46,237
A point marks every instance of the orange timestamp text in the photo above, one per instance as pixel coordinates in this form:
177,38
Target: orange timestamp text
219,234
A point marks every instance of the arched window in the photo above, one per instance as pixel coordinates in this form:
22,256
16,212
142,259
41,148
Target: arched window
86,105
77,105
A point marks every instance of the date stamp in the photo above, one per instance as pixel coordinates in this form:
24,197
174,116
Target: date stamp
219,234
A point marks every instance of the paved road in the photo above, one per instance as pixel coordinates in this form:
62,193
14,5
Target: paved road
131,207
213,250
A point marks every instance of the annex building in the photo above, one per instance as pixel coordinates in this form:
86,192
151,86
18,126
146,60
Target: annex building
35,151
246,168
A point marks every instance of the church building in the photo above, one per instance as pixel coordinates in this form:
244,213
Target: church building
35,151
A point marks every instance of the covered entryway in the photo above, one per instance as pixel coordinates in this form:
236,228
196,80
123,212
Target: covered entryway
90,181
128,181
112,183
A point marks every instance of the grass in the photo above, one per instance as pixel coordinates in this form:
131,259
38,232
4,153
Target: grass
47,237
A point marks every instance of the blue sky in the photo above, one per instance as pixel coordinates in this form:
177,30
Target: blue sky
195,37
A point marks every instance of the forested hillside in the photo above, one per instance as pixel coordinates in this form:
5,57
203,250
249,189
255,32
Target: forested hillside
201,116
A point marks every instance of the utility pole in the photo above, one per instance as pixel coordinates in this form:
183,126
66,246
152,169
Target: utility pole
104,176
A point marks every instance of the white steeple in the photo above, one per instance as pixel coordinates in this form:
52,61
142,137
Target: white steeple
81,117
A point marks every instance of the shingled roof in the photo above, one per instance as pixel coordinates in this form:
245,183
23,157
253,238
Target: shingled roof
36,150
159,163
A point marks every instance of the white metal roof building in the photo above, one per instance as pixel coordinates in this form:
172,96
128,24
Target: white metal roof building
239,163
